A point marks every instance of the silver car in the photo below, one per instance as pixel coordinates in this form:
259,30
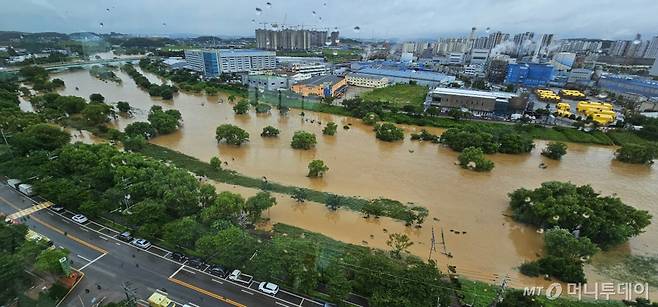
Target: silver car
141,243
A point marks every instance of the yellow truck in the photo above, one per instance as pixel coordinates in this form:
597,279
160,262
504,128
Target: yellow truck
572,94
160,299
547,95
602,119
584,105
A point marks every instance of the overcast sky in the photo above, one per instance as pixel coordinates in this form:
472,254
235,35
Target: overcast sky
397,19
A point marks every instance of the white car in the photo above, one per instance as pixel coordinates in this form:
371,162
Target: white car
269,288
57,208
79,218
141,243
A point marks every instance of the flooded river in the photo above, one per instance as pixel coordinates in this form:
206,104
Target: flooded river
473,204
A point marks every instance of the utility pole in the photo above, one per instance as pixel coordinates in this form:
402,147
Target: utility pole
131,297
432,244
501,293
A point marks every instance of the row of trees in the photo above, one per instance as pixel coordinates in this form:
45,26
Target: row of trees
38,78
504,141
580,212
165,91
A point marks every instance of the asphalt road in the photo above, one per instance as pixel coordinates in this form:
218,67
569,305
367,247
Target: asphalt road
109,263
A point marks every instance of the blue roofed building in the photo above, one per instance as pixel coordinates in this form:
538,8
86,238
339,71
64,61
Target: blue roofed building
529,74
626,84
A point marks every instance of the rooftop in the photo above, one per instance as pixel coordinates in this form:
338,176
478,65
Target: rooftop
409,74
358,75
319,80
473,93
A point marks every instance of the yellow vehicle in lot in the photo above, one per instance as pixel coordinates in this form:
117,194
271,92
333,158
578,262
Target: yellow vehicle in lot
602,119
572,94
563,113
584,105
547,95
563,106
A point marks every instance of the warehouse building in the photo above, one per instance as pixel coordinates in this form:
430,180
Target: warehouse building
477,102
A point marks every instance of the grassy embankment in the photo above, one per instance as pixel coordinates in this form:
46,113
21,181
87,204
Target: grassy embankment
391,209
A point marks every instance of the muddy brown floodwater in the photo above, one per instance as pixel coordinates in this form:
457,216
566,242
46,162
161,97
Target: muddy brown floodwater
473,204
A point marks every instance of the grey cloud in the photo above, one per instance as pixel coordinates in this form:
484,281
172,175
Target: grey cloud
610,19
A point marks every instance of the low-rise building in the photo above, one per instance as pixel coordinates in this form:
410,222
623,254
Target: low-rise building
477,102
362,80
321,86
581,76
623,84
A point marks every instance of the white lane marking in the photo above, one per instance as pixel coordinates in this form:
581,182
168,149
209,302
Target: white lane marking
174,274
85,230
217,281
67,222
117,243
189,271
282,304
104,238
245,291
50,213
83,258
90,262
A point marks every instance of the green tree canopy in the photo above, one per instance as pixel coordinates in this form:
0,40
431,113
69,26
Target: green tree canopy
258,203
231,134
231,247
473,158
241,107
97,98
317,168
41,137
605,220
182,232
388,132
303,140
555,150
637,153
330,129
270,131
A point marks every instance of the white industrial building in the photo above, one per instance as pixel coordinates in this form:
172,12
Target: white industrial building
214,62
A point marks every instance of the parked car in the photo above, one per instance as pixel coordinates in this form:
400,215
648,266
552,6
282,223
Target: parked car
176,256
14,183
79,218
218,270
238,276
26,189
57,208
141,243
269,288
125,236
196,263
